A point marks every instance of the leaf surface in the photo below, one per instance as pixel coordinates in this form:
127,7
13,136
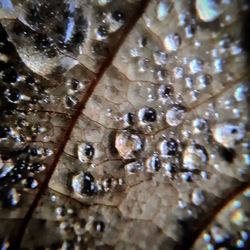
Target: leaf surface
124,124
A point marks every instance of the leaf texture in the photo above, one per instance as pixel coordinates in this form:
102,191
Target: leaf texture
124,124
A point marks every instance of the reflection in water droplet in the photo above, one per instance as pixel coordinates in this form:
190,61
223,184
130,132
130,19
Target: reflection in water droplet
208,10
168,147
175,115
172,42
127,144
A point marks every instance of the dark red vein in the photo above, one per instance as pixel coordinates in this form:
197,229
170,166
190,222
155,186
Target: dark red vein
65,137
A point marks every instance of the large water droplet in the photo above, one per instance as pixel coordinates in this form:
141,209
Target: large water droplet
195,66
127,144
175,115
227,134
172,42
147,115
162,10
168,147
208,10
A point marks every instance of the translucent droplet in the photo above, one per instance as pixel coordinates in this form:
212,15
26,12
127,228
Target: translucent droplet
84,183
227,134
160,57
147,115
172,42
198,197
85,152
30,182
168,147
199,125
162,11
129,119
194,157
208,10
175,115
178,72
79,227
60,212
5,167
239,94
203,81
195,66
127,144
153,164
133,167
99,226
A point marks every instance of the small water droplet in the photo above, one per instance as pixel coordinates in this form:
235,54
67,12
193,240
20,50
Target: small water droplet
162,10
147,115
175,115
160,57
99,226
208,10
127,144
227,134
133,167
196,66
198,197
153,164
194,157
172,42
84,183
85,152
9,197
168,147
30,182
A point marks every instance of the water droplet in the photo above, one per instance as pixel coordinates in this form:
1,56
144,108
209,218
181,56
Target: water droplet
227,134
239,94
175,115
208,10
147,115
103,2
194,157
196,66
160,57
162,10
168,147
133,167
102,32
153,164
79,227
172,42
203,81
60,212
178,72
199,125
85,152
165,92
198,197
218,65
84,183
127,144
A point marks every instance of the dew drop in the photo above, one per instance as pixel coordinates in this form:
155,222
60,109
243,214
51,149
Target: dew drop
30,182
147,115
195,66
198,197
199,125
133,167
172,42
175,115
208,10
79,227
168,147
84,183
102,32
85,152
194,157
227,134
153,164
162,11
165,92
160,57
127,144
129,119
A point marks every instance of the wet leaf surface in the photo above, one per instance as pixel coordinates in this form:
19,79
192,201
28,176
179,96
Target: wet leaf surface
124,125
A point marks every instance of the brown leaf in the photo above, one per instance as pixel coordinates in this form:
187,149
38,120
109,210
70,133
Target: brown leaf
124,124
